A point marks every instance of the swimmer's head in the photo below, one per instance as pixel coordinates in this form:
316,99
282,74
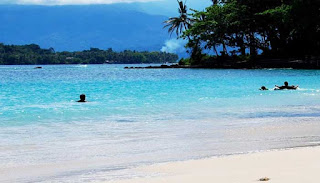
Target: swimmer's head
263,88
82,97
286,83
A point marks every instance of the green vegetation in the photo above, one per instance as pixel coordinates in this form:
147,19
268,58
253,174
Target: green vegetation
249,30
33,54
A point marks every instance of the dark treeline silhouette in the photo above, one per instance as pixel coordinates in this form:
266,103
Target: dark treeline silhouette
249,30
33,54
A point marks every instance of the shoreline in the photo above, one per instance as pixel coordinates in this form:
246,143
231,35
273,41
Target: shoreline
175,66
260,63
289,165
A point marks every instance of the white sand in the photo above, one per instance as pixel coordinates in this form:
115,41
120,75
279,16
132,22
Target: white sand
300,165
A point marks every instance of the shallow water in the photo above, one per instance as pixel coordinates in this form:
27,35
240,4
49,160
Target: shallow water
137,117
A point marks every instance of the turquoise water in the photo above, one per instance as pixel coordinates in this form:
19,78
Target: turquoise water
137,117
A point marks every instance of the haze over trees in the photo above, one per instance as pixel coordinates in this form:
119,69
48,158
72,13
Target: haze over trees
33,54
250,29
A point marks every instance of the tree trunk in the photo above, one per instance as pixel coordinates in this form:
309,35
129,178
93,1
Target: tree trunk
253,50
215,50
243,50
240,40
224,48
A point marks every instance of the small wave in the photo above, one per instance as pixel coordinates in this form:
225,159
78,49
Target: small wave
125,120
308,89
305,89
81,66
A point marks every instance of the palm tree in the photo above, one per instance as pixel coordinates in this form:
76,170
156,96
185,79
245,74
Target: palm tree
180,23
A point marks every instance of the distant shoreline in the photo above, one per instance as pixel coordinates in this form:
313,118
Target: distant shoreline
262,63
35,55
313,64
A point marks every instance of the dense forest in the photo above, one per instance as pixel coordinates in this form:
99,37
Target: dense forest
33,54
249,30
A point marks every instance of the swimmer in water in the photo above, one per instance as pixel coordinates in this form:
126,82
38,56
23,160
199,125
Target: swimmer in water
263,88
82,98
286,86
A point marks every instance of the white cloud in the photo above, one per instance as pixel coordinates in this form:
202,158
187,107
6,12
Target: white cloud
71,2
174,46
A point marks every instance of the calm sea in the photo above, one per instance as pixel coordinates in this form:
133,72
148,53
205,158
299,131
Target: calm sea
138,117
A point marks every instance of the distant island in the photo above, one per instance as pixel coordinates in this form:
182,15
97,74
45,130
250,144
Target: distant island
34,55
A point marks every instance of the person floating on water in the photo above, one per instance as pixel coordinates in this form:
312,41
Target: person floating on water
82,98
286,86
263,88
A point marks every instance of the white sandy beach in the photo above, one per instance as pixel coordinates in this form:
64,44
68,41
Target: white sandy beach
300,165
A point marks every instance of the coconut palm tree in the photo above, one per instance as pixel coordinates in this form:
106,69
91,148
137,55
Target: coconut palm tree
180,23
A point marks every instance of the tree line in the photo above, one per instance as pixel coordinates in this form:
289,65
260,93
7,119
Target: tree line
250,29
32,54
